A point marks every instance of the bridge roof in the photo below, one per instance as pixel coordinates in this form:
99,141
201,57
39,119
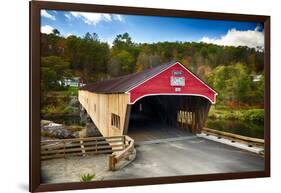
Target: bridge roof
125,83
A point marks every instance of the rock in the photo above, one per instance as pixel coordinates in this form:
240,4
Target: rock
91,130
60,131
74,101
57,131
45,122
54,124
76,134
82,133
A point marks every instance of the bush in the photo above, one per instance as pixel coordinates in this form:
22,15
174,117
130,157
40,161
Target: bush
230,115
87,177
256,115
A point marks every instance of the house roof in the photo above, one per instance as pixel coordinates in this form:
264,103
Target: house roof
125,83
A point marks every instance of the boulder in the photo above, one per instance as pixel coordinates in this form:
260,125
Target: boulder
57,131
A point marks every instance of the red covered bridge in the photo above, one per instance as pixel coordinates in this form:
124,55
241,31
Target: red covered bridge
168,93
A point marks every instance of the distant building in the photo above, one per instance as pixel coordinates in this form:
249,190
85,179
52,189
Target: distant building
257,78
73,82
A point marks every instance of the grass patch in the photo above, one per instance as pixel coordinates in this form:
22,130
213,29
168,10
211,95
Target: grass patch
70,91
58,109
59,102
73,90
74,128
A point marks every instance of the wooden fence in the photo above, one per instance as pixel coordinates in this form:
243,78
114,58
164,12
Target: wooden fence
116,157
234,137
81,146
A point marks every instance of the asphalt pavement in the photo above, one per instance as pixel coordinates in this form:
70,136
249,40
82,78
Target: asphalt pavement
189,156
185,155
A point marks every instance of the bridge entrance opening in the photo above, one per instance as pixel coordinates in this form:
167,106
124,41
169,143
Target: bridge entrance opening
167,116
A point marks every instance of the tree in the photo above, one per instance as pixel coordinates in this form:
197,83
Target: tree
229,69
53,72
232,83
94,58
122,41
142,62
125,53
52,44
154,60
197,60
91,37
204,71
73,45
126,62
113,67
56,32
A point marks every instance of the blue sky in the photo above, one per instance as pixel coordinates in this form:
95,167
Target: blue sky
153,29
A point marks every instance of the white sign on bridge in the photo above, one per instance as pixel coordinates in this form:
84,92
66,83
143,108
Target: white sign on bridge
177,81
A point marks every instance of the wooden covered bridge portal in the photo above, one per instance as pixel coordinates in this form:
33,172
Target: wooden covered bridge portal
168,94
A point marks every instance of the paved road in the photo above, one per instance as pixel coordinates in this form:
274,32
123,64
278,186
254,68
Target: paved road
189,156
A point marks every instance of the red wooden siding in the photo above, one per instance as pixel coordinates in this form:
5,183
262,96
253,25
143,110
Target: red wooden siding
160,85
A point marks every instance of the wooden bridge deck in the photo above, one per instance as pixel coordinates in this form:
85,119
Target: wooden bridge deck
145,129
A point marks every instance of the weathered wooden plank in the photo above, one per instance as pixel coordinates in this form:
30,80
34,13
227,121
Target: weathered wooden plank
113,147
94,143
75,143
234,136
50,143
127,119
105,105
76,154
84,146
117,156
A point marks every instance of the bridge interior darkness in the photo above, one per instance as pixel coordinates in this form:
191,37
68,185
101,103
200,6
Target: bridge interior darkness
167,116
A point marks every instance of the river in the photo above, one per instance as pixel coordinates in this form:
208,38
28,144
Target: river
245,128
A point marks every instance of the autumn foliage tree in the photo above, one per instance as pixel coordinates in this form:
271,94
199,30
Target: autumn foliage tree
230,70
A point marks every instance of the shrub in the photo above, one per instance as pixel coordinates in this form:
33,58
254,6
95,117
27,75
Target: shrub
256,115
231,115
87,177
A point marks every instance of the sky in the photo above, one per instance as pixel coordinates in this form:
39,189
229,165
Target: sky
149,29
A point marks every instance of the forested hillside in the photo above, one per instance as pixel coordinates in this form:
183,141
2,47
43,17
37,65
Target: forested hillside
236,73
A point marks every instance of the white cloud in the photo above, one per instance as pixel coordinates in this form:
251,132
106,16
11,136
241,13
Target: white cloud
68,34
108,40
250,38
94,18
44,13
118,17
46,29
68,16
